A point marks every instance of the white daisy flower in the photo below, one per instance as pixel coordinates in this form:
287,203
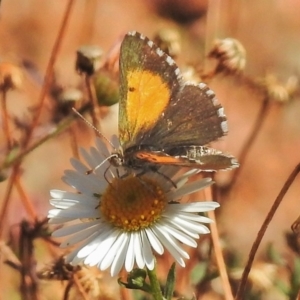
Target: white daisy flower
117,221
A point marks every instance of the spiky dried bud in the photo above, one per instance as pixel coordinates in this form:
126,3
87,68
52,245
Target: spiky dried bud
278,91
70,94
88,59
190,74
65,101
231,55
262,275
11,76
169,41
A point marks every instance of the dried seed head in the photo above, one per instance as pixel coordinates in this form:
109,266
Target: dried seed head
58,270
11,76
262,275
190,74
278,91
169,41
88,59
231,55
70,94
65,100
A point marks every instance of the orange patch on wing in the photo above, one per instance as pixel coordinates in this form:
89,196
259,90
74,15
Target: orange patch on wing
157,158
147,97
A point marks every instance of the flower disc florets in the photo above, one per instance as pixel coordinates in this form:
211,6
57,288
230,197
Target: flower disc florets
133,203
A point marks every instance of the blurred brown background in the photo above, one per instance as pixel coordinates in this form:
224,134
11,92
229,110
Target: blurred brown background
269,31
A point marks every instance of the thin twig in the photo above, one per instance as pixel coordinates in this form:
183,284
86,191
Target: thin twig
49,70
5,121
47,81
218,251
240,293
60,128
93,101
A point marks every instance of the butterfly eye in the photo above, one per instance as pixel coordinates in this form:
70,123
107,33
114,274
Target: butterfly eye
116,159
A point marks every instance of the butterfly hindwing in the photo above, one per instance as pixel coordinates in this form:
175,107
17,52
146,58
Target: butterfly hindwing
201,157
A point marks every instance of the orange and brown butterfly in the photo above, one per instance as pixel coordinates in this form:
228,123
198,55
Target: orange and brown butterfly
162,119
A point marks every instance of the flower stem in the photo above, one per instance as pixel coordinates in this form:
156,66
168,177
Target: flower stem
155,286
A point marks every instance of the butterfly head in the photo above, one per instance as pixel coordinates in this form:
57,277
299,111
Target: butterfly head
117,158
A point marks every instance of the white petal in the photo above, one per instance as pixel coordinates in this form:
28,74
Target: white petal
179,235
120,257
101,147
192,233
194,207
182,179
193,217
173,247
189,225
138,250
130,253
78,165
105,243
76,212
68,230
147,252
78,237
154,241
111,254
89,157
191,187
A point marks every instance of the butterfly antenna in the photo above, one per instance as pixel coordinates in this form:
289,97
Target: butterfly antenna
92,126
101,164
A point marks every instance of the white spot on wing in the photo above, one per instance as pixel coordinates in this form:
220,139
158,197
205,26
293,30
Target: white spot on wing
150,44
215,101
210,93
202,85
159,52
224,126
170,61
221,112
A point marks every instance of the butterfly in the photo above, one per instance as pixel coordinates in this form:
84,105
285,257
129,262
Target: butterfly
164,120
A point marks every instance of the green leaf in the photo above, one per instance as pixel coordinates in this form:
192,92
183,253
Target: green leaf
169,288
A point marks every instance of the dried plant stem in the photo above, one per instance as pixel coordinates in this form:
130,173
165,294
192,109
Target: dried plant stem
59,129
14,178
218,251
25,200
49,70
47,81
251,139
73,142
240,293
80,287
93,101
5,121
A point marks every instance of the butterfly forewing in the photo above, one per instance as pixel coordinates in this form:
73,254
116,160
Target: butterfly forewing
148,81
193,117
